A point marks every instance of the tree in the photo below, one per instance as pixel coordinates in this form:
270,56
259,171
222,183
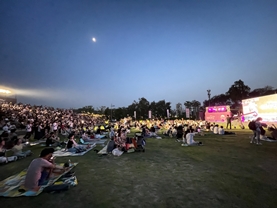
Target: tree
162,107
238,91
87,109
267,90
179,110
143,107
195,105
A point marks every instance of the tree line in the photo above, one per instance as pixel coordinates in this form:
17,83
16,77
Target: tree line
233,97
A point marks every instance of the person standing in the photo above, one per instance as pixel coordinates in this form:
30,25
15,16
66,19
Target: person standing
228,122
258,130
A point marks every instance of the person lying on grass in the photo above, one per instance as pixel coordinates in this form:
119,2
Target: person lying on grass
87,138
40,170
18,149
72,146
221,131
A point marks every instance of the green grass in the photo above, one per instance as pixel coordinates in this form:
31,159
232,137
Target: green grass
227,171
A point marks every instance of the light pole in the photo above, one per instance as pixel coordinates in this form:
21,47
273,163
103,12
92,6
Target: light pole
112,111
209,95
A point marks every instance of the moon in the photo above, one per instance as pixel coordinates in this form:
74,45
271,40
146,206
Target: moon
93,39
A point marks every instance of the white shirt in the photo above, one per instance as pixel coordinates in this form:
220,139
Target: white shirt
29,128
189,138
216,130
55,126
221,131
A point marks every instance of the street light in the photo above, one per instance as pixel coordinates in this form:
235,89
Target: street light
112,111
209,95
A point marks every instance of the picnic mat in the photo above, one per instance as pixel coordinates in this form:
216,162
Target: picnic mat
36,142
10,186
102,141
268,140
103,151
62,153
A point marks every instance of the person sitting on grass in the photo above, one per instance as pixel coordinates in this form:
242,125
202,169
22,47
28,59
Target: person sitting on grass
3,158
273,133
40,170
221,131
120,139
189,139
87,138
72,146
52,140
18,149
215,130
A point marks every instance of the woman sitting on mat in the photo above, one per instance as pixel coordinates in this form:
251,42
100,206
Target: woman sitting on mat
72,146
52,140
3,158
120,139
18,149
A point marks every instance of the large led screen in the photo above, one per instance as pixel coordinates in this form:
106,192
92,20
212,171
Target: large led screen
217,113
265,107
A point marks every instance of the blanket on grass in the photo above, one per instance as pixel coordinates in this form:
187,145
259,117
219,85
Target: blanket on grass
63,153
10,186
33,143
268,140
102,141
103,151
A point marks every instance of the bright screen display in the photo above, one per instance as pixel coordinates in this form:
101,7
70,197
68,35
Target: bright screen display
265,107
217,113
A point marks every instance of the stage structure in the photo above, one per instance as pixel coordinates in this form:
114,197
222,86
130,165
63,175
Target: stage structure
217,113
264,106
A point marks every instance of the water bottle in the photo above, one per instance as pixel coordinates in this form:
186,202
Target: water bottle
69,163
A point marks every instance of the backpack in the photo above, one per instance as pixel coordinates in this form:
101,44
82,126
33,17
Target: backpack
252,125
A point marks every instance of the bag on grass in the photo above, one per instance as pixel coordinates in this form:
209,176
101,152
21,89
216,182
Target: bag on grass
117,152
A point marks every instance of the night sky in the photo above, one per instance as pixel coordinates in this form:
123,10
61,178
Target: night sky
157,49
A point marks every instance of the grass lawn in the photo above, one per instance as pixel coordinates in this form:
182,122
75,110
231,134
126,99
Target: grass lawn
227,171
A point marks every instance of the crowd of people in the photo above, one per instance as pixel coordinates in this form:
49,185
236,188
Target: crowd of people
48,123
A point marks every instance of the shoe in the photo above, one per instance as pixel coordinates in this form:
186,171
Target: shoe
252,142
259,143
184,145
